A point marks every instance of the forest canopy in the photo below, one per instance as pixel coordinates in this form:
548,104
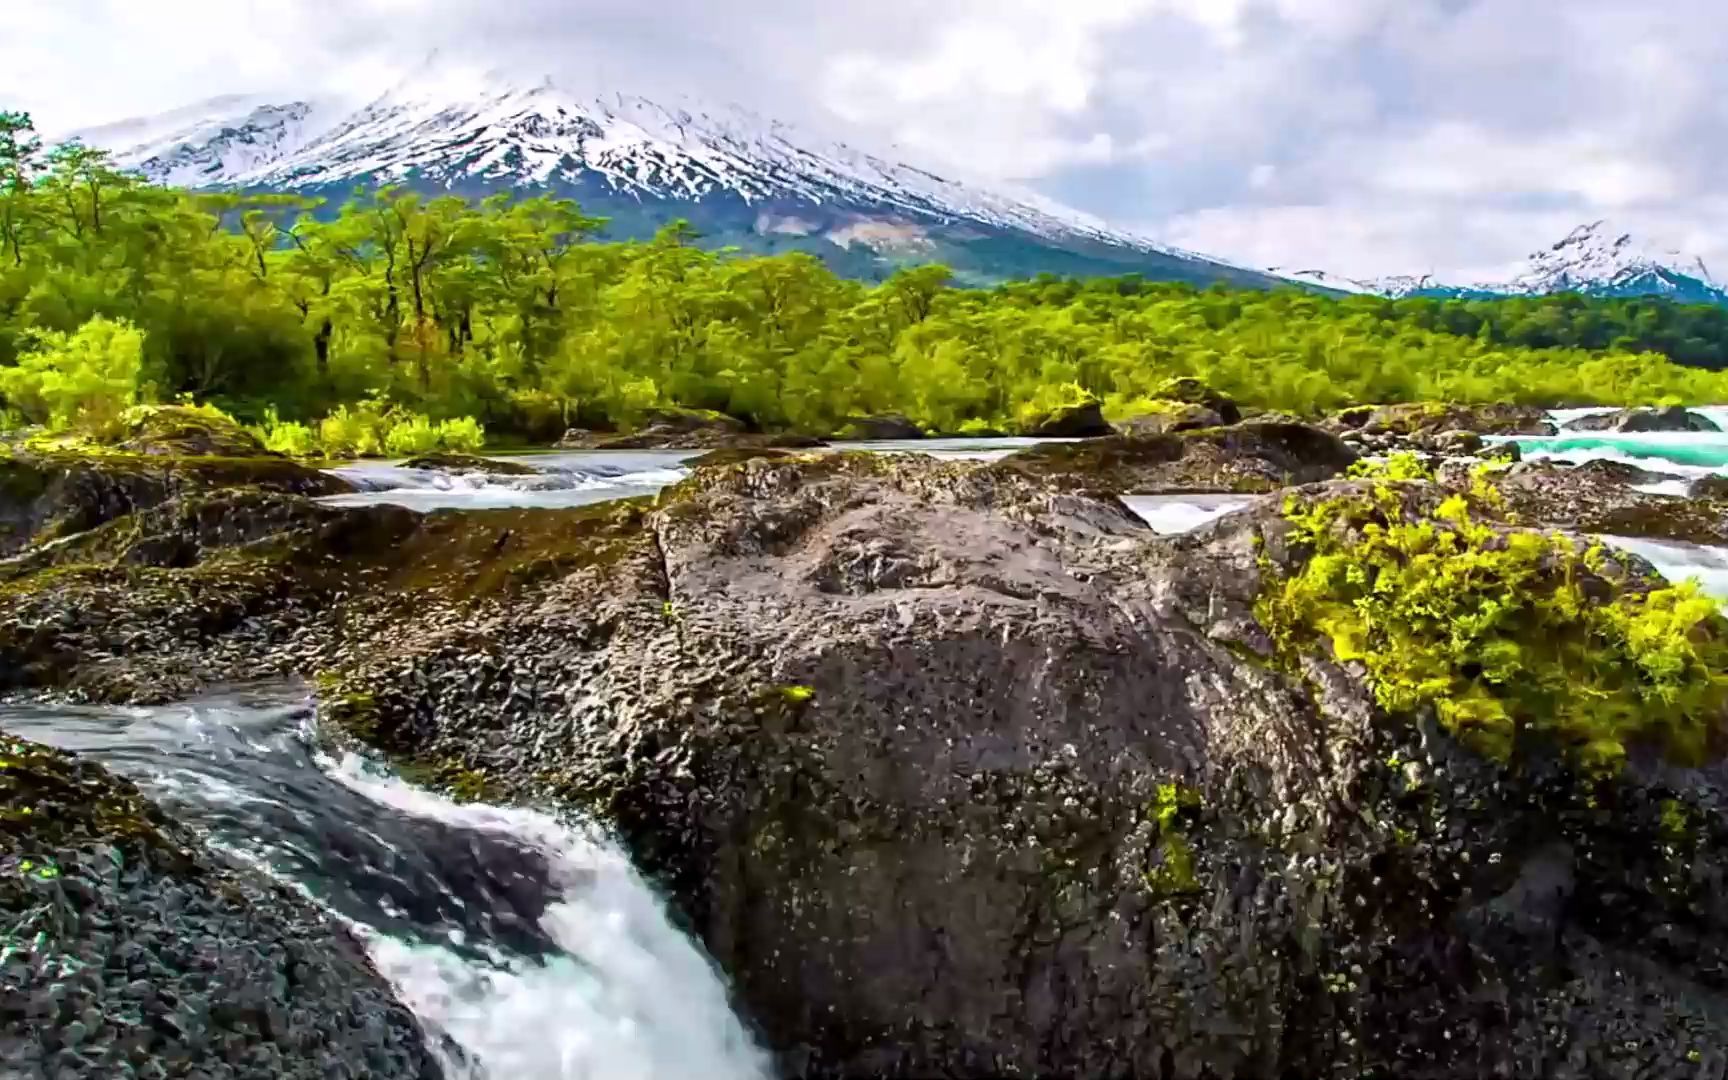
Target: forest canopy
509,311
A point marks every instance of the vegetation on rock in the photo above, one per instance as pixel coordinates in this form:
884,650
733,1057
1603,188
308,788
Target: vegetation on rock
1512,637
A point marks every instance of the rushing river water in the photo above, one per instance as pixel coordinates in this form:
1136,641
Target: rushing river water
528,947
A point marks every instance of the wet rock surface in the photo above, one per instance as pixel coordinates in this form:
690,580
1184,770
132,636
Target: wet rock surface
50,495
1248,457
130,950
889,426
1597,498
468,463
957,769
1671,418
685,429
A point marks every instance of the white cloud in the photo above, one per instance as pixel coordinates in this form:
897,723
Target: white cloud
1375,136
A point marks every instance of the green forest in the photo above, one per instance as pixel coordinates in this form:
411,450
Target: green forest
399,320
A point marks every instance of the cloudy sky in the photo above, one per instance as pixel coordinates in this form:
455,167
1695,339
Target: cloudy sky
1364,137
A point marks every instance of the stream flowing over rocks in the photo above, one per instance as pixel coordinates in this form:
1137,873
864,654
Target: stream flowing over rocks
950,766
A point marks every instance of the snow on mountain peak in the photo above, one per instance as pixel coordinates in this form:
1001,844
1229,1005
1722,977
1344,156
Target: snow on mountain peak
451,125
1596,256
1594,259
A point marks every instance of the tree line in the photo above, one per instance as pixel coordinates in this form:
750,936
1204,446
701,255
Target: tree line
511,313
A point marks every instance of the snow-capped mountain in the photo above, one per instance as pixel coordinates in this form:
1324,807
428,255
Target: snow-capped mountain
739,178
1593,259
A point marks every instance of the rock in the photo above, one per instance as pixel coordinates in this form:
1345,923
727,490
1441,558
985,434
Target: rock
1249,457
1084,421
1459,443
44,497
1669,418
1596,498
686,429
1431,419
468,463
884,427
958,770
1709,487
184,431
1192,391
1176,416
98,887
1622,472
734,454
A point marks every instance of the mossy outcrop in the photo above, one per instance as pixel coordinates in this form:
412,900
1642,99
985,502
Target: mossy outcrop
1167,417
129,949
1249,457
184,431
1081,420
822,697
52,495
1191,391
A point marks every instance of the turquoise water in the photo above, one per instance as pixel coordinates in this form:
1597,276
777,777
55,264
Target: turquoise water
1696,451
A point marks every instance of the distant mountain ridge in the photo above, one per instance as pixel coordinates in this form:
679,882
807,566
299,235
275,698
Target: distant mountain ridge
739,178
1593,259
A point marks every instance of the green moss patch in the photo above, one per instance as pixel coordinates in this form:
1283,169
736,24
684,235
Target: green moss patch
1512,637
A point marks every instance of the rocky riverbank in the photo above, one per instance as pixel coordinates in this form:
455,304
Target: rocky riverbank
958,769
130,950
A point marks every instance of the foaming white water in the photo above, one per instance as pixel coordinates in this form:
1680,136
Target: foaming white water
1678,561
629,998
1171,515
556,484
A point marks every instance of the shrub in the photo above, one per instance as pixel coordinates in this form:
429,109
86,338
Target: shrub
350,433
285,437
464,435
1511,637
83,380
410,434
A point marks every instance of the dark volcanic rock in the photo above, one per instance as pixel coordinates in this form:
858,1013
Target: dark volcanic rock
1598,500
468,463
43,497
1622,472
1428,420
1250,457
1710,487
889,426
130,950
1671,418
1073,422
957,771
686,429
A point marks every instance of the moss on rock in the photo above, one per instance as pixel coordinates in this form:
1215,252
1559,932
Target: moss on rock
1514,638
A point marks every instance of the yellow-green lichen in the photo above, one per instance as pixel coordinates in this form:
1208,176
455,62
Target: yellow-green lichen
1174,872
1509,636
